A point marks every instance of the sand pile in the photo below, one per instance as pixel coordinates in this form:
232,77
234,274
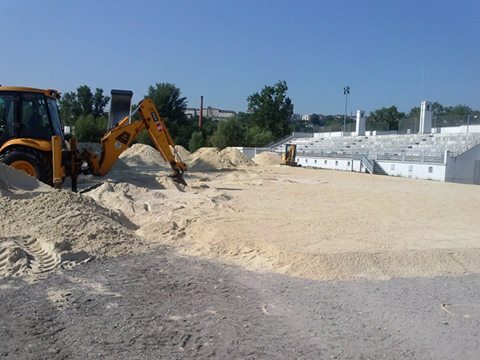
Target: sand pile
236,157
267,159
15,183
211,159
132,200
59,227
181,151
143,156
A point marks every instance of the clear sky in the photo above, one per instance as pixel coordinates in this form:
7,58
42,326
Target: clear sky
389,52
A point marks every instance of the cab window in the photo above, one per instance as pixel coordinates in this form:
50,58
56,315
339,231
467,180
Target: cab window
34,121
55,119
7,116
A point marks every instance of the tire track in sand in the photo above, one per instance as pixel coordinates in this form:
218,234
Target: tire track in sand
25,255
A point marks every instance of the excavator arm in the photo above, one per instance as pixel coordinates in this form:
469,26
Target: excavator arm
121,136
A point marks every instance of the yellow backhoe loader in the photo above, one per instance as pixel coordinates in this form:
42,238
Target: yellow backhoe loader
32,140
288,158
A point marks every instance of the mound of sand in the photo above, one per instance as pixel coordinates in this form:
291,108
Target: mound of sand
143,156
211,159
181,151
236,157
17,184
61,224
267,159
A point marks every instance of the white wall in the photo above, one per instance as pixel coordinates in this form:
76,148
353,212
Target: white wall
457,129
251,152
414,170
461,169
330,163
333,134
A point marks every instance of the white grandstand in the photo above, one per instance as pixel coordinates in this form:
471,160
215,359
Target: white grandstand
444,154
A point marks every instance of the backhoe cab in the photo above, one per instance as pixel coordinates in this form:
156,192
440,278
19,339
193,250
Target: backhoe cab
31,138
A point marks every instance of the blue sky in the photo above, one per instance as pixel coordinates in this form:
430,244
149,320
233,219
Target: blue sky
389,52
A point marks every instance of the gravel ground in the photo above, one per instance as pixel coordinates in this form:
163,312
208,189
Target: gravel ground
162,305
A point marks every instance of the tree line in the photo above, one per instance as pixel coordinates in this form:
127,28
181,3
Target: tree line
390,118
268,117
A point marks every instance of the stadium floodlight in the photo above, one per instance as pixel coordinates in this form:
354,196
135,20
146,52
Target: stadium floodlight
346,91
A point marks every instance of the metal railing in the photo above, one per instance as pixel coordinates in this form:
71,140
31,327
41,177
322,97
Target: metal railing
294,135
367,163
466,148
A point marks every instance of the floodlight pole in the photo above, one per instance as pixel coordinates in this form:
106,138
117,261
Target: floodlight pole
346,91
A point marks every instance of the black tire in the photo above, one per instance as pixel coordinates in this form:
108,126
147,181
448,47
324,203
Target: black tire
38,159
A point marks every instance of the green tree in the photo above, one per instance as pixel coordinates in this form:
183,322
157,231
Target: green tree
315,119
170,105
82,102
69,108
385,118
85,100
230,132
99,102
196,141
257,136
271,109
90,129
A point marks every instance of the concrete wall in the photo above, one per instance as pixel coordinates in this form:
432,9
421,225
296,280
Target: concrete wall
330,163
412,170
465,167
424,171
251,152
457,129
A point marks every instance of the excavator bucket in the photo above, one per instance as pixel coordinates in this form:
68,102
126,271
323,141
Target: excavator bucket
120,106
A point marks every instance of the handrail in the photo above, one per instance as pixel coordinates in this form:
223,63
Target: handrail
465,148
293,135
366,162
279,142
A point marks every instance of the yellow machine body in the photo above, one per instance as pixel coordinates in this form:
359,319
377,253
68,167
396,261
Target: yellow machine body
288,157
42,157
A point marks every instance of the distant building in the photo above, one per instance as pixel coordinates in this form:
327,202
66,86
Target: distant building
211,113
306,117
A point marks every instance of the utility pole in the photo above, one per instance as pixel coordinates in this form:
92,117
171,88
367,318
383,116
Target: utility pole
200,116
346,91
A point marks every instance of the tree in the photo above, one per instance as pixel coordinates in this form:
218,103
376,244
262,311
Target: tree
257,136
229,133
82,102
170,105
271,109
90,129
69,108
196,141
315,119
99,102
385,118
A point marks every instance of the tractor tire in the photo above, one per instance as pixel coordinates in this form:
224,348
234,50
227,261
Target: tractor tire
32,162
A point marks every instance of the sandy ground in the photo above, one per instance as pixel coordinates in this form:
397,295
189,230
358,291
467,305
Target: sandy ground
246,262
338,225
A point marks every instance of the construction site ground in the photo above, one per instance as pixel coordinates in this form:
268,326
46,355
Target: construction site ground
246,262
